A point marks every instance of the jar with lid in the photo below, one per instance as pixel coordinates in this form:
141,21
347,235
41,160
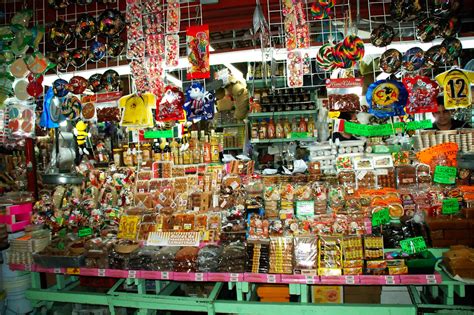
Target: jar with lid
262,131
118,153
146,154
127,156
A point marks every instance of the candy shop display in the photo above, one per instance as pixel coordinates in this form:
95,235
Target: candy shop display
326,162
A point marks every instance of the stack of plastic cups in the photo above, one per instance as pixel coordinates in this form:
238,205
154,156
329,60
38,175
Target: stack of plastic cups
15,284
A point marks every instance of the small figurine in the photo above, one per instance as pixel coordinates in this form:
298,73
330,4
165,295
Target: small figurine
81,134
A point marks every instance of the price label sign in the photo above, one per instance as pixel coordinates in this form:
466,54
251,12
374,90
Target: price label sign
413,245
305,208
450,206
199,277
73,271
234,277
309,280
380,217
57,270
132,274
350,280
84,232
165,275
445,174
389,280
101,272
271,278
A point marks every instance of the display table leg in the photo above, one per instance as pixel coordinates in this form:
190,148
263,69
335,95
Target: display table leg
60,282
304,293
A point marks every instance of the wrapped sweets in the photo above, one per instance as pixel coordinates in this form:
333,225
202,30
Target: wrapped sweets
186,259
208,258
233,258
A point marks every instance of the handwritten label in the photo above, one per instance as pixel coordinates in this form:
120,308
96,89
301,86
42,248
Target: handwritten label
389,279
450,206
350,280
445,174
305,208
413,245
199,277
380,217
132,274
309,280
448,150
271,278
384,129
84,232
101,272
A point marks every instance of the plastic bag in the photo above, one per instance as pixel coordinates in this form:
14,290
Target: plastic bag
386,98
199,103
170,107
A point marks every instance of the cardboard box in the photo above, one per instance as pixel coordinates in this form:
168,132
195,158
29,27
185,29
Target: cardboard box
327,294
367,294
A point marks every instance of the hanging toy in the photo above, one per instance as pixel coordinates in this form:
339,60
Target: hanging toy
81,134
386,98
199,103
170,108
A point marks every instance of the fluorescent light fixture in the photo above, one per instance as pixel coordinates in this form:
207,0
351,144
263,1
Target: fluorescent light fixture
174,80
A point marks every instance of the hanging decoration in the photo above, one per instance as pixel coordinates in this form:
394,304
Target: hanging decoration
386,98
170,107
137,110
422,93
199,103
197,39
456,85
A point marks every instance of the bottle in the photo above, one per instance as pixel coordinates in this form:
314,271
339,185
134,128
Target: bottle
302,127
207,150
279,132
294,125
271,129
262,131
254,132
311,127
286,128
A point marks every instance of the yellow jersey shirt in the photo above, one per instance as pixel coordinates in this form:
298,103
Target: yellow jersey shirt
456,85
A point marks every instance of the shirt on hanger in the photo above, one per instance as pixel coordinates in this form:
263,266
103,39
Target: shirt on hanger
456,85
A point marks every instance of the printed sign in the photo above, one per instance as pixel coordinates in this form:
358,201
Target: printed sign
413,245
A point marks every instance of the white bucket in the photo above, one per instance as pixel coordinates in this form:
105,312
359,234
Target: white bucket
18,284
17,303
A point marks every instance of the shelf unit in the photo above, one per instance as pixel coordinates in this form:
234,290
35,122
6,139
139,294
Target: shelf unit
283,114
232,148
281,140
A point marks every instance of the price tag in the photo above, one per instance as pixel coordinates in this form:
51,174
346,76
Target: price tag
413,245
28,267
165,275
271,278
199,277
101,272
350,280
445,174
84,232
431,279
132,274
309,280
305,208
57,270
389,279
73,271
380,217
450,206
234,277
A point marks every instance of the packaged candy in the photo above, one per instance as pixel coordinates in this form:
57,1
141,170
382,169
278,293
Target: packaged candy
197,39
344,94
386,98
281,258
306,255
170,107
233,258
258,253
373,247
422,94
329,256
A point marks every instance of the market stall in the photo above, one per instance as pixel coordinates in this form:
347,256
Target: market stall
149,162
